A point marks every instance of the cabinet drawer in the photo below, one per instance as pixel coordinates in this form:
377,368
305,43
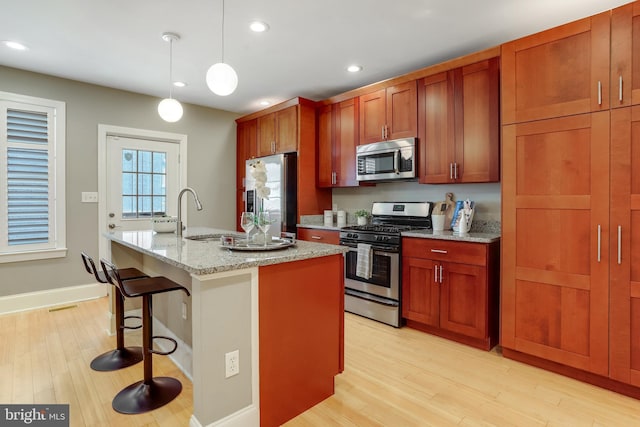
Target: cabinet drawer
445,250
319,236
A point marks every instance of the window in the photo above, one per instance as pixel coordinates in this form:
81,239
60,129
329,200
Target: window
32,186
144,183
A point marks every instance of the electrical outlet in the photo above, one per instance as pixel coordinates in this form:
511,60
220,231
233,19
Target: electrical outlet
184,310
232,363
89,197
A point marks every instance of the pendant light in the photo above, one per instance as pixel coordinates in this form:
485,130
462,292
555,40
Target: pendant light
222,78
169,109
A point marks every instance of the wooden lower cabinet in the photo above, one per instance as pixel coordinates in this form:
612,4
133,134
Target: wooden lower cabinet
319,236
450,289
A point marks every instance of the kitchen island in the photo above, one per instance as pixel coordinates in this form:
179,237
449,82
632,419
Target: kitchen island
283,310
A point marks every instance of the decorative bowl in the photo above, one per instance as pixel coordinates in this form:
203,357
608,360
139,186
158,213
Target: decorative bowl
164,224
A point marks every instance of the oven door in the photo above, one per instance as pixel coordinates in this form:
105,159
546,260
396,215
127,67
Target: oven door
385,273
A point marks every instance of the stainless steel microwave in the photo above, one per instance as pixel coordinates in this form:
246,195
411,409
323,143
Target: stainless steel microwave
387,161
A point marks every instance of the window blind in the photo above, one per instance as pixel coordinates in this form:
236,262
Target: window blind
28,186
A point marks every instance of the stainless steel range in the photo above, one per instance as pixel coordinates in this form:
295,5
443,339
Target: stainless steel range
372,265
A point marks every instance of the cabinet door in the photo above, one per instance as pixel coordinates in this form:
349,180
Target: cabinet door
463,299
402,111
625,55
372,117
555,279
346,139
477,118
247,135
266,134
287,130
324,116
436,129
420,291
559,72
625,245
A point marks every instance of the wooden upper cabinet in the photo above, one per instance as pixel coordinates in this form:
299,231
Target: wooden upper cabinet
558,72
459,124
625,55
246,140
278,132
389,113
337,140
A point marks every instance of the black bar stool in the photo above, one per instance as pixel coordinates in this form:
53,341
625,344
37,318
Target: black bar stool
152,392
121,356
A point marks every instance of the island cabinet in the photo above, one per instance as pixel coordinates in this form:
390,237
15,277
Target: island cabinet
459,124
450,289
389,113
625,55
278,132
337,140
558,72
319,236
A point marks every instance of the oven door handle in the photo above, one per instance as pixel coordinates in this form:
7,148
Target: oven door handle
396,162
372,298
378,250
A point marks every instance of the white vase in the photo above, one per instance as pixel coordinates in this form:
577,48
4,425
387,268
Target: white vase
362,220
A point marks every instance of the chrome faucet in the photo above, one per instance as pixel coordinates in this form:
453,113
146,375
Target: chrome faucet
198,206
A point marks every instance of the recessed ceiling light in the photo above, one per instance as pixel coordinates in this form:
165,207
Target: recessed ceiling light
265,103
14,45
179,84
258,26
354,68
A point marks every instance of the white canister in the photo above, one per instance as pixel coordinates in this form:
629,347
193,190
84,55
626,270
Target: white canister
328,218
342,219
437,222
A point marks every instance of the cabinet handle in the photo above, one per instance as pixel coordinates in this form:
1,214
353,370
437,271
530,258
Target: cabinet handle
441,268
599,240
620,88
316,237
334,178
619,244
599,92
382,133
450,170
455,170
435,274
439,251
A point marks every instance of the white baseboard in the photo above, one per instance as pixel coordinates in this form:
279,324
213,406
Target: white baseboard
51,297
245,417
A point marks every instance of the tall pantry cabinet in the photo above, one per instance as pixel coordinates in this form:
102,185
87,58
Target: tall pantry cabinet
570,297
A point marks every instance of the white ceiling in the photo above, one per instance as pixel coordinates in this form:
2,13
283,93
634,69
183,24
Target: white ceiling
117,43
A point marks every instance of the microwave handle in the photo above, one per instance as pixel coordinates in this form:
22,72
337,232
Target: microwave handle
396,162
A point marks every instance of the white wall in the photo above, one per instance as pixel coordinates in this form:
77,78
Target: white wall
211,164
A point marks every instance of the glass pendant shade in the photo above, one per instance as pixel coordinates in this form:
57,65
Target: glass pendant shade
170,110
222,79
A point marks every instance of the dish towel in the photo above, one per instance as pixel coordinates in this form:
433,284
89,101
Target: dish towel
364,262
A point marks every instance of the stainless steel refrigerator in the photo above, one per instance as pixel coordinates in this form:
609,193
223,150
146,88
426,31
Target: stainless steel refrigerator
282,180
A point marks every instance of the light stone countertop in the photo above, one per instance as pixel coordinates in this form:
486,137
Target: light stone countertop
450,235
207,257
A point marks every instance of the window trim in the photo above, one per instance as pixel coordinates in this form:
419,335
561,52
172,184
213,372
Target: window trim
58,192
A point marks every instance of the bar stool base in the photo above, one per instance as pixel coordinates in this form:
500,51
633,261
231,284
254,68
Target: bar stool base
117,359
144,396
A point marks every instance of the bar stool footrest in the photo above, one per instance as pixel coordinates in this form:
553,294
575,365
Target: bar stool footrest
164,353
124,319
117,359
144,396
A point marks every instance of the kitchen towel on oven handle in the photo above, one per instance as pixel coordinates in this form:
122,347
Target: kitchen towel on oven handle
364,262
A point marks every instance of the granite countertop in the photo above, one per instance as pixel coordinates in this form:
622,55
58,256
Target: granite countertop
207,257
450,235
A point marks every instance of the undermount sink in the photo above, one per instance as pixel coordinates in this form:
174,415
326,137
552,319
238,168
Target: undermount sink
212,237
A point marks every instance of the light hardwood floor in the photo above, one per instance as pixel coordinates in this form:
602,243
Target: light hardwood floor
393,377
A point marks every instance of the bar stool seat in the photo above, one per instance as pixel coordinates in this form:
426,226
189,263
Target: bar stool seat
121,356
151,392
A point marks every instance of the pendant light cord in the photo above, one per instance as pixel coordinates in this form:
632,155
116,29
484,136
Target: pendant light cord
223,31
171,68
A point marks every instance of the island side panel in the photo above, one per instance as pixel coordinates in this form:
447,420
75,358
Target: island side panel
301,330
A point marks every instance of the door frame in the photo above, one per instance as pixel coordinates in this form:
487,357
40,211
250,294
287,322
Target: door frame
105,131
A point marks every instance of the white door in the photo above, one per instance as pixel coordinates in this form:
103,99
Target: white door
142,179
